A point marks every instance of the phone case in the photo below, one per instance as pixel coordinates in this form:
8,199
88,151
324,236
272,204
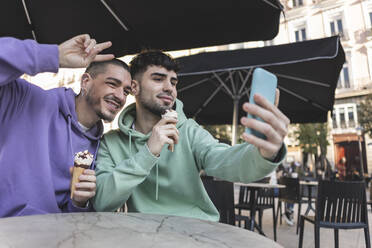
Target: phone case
263,83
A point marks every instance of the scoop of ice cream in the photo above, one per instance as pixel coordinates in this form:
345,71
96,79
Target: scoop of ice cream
83,159
170,113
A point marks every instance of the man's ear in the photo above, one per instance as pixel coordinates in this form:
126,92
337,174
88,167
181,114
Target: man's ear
85,78
135,87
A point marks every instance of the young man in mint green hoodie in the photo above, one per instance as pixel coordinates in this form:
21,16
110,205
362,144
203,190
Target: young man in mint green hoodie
135,166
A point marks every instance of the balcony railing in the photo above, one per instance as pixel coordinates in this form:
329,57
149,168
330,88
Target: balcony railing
368,34
343,34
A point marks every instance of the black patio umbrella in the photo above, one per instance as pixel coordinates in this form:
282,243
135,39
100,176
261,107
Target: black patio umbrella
134,25
214,85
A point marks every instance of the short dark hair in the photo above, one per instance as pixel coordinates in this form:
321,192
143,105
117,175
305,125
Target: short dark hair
99,67
139,63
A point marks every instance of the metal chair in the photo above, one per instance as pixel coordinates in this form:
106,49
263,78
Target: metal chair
290,194
222,195
264,199
339,205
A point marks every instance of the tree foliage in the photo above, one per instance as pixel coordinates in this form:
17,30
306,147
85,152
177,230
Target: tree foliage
365,114
312,136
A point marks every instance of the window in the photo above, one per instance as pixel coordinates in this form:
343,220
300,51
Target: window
336,23
300,34
341,112
336,27
350,111
297,3
297,30
334,119
344,79
370,18
344,116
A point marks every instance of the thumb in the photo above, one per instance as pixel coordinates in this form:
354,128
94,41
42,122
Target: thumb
277,96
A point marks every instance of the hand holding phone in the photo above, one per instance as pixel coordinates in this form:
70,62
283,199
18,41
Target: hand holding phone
263,83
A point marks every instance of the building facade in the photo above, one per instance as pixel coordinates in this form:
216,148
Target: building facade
352,21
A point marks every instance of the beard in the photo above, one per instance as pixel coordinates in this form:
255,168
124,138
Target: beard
94,102
152,106
105,117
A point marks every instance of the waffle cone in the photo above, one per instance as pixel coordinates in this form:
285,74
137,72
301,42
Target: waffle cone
77,171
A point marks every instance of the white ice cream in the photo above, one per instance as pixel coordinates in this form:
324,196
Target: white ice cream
169,113
83,158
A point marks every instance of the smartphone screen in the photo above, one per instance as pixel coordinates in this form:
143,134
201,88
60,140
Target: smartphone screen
263,83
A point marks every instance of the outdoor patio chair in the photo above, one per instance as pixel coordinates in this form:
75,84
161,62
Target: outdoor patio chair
290,194
222,195
264,200
304,190
339,205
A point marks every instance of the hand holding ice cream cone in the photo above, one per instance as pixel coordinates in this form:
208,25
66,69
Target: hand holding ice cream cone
82,162
169,113
163,133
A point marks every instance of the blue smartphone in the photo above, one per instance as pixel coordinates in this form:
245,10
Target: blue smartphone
263,83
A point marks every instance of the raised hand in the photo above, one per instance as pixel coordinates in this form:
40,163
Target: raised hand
275,127
81,50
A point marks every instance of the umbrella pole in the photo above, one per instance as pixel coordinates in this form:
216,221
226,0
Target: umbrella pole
235,122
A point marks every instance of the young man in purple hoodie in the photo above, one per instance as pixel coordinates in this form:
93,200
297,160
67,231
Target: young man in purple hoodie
40,131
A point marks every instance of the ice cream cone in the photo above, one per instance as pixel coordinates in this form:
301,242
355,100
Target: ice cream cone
77,171
82,161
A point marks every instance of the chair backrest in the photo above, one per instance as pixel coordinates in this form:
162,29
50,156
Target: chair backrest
341,202
291,192
244,195
222,195
264,197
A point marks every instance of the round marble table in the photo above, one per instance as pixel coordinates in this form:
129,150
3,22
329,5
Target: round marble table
122,230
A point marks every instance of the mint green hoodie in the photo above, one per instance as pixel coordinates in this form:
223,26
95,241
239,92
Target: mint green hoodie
170,184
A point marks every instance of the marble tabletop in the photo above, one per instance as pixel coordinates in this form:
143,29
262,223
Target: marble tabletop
122,230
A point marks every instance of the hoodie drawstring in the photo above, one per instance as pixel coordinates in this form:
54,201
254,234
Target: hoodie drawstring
130,141
69,135
93,166
157,182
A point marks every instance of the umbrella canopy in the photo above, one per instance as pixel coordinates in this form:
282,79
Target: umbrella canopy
135,25
214,85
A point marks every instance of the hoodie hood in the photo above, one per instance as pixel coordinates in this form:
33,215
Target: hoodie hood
67,108
128,116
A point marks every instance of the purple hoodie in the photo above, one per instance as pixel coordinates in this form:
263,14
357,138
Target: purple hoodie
39,133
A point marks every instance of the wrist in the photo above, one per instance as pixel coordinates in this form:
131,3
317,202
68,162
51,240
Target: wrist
274,158
80,204
60,57
155,154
